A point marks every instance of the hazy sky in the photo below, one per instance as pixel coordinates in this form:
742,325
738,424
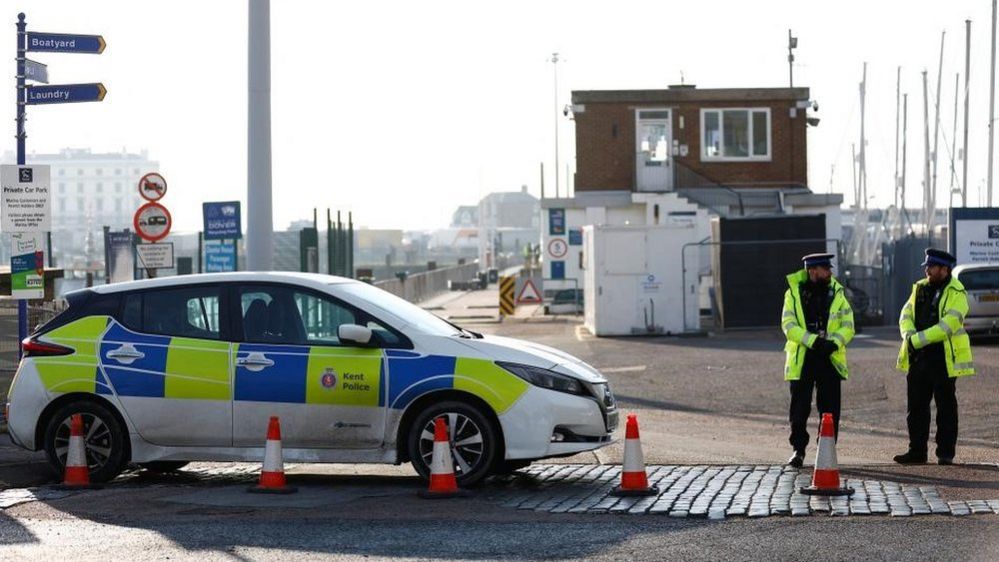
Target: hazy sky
400,111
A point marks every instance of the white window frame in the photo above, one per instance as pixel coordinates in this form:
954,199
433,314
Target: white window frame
721,124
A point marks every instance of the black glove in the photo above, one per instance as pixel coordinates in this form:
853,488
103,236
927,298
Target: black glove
825,347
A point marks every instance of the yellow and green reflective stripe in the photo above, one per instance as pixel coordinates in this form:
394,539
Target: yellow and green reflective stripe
921,338
197,369
76,372
483,378
356,379
839,338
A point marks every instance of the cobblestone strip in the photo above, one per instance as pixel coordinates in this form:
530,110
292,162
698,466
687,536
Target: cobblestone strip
607,481
548,488
686,489
580,494
740,503
667,493
655,479
569,484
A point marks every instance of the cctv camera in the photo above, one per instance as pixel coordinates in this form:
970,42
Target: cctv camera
565,111
815,106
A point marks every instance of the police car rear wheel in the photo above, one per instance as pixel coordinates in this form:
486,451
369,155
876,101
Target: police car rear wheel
103,438
473,440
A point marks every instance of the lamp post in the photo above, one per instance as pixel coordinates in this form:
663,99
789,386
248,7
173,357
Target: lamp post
554,60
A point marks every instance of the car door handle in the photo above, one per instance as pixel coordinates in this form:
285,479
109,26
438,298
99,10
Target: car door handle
254,362
126,354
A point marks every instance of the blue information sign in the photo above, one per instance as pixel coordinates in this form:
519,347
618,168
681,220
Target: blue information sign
65,93
65,43
222,220
556,222
36,71
575,236
558,270
220,256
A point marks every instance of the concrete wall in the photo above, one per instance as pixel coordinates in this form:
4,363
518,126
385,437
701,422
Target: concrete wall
422,286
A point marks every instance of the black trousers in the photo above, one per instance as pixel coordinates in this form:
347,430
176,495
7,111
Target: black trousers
826,382
926,381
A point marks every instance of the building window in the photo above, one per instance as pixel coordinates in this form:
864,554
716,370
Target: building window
100,187
79,205
735,134
117,205
62,171
79,171
62,205
117,171
79,188
100,171
117,187
62,188
99,202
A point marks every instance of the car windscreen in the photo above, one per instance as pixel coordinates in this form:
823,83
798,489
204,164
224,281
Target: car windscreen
408,312
980,279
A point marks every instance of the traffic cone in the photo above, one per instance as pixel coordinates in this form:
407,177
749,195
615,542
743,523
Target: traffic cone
272,475
634,481
77,475
443,484
825,479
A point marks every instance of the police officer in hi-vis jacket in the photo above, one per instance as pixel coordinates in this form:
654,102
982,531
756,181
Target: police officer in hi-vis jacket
818,323
935,351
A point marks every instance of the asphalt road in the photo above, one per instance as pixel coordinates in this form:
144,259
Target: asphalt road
710,400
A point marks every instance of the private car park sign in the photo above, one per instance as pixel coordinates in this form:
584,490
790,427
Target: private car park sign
26,198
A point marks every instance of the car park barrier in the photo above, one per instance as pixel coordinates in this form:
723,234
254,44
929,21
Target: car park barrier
443,483
634,480
77,475
825,479
272,480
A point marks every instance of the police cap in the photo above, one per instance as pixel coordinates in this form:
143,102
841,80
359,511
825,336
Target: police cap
818,260
939,257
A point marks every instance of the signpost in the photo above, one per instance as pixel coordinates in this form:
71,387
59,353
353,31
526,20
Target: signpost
64,43
26,198
65,93
27,265
152,222
220,256
152,187
155,256
38,95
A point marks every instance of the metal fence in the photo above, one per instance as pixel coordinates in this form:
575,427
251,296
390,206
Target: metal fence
422,286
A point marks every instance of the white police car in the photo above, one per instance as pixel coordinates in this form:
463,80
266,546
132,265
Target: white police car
179,369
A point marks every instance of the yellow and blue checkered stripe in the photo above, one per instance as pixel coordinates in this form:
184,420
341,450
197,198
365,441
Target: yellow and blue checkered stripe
183,368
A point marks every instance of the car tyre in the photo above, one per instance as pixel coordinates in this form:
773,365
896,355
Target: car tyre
162,467
105,440
474,448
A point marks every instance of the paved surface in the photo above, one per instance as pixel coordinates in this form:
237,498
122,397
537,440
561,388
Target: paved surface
713,422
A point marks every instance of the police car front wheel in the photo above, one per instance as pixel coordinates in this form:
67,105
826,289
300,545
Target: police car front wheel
103,438
473,437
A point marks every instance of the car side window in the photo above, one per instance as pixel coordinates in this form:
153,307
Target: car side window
189,312
283,315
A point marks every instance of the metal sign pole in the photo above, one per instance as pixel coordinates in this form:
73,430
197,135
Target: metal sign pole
22,304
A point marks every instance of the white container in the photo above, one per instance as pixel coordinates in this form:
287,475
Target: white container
635,279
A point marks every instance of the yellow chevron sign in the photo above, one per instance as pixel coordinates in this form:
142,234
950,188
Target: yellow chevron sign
507,286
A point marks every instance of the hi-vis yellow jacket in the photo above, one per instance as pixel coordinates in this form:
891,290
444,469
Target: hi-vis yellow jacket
839,328
949,330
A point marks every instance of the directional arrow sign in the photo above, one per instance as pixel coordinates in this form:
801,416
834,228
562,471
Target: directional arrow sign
65,43
65,93
36,71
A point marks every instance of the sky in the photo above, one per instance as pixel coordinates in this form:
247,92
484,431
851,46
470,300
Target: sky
401,111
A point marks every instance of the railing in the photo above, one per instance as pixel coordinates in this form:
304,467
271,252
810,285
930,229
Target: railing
422,286
38,314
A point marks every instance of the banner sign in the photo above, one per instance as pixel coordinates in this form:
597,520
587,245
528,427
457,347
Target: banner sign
222,220
155,256
26,198
556,222
27,265
220,256
974,235
120,257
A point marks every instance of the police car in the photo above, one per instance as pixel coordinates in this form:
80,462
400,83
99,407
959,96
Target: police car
172,370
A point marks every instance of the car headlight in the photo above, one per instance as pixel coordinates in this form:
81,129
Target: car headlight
545,379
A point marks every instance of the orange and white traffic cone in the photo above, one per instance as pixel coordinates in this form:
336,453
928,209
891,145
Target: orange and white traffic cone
443,483
634,480
77,475
825,479
272,479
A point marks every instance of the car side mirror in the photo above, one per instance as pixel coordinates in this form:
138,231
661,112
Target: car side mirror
354,334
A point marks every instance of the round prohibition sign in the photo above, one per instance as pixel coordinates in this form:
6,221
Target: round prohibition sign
558,248
152,187
152,222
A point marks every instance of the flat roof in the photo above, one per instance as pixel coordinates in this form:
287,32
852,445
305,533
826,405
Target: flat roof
689,94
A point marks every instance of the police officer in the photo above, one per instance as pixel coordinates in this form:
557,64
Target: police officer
935,351
818,323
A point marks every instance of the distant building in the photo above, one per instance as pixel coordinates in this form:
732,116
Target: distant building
465,216
507,222
90,190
